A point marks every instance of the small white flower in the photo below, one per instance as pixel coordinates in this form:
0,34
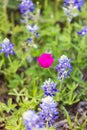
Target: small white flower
32,29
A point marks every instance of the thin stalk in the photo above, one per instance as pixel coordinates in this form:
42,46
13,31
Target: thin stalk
9,60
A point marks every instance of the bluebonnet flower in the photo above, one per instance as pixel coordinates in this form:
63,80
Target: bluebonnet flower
70,13
79,4
26,6
7,47
64,67
49,88
31,120
83,31
74,3
48,113
70,7
32,29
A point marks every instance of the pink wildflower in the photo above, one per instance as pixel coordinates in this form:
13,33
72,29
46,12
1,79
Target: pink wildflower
45,60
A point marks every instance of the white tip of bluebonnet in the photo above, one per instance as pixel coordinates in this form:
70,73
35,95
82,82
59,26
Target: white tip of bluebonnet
47,99
63,57
6,40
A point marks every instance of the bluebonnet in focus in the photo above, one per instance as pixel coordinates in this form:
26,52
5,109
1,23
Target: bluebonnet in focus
49,88
64,67
26,6
31,120
48,113
83,31
71,6
7,47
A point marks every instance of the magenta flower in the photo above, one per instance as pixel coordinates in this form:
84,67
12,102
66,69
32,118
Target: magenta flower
45,60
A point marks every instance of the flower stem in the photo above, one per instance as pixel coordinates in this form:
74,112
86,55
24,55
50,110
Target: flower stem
52,75
9,60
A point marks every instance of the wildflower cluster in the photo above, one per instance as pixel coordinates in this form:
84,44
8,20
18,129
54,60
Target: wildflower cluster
70,9
71,6
7,47
64,67
48,113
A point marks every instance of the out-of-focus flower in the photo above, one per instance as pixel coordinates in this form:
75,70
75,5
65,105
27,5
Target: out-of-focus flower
45,60
7,47
71,6
41,129
48,113
29,40
79,4
32,29
83,31
70,13
30,59
74,3
31,120
49,88
64,67
26,6
37,34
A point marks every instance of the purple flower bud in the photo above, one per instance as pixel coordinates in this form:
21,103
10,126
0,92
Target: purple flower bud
37,34
83,31
29,40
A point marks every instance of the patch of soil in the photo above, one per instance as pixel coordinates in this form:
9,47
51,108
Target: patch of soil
81,110
2,126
